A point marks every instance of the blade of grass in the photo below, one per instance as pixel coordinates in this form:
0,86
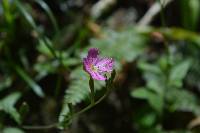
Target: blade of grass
27,16
49,13
31,21
7,12
31,83
7,105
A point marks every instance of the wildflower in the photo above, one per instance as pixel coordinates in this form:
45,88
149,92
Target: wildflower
97,66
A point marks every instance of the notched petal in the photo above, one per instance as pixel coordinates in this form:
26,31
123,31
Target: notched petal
93,53
105,64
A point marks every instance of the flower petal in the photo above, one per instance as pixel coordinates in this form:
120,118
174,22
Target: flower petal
105,64
87,68
93,53
97,76
86,64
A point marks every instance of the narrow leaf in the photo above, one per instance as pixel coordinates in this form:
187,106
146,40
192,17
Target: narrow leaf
31,83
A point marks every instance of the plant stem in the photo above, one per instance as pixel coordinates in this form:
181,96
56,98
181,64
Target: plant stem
58,86
92,105
54,125
91,84
162,12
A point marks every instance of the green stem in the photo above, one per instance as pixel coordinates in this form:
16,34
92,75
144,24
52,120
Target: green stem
54,125
162,13
92,105
91,84
58,86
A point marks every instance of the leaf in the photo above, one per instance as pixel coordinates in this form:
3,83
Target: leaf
43,48
194,12
178,72
145,118
42,39
149,67
63,115
142,93
5,82
12,130
153,76
70,61
49,13
28,17
7,12
31,83
182,100
7,105
148,119
78,90
190,13
155,100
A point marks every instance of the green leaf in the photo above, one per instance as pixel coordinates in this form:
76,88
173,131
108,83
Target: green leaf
31,83
7,105
77,91
155,100
9,17
42,39
190,10
5,82
178,72
71,62
149,67
182,100
64,115
142,93
148,119
49,13
45,68
25,13
145,118
43,48
79,88
12,130
153,76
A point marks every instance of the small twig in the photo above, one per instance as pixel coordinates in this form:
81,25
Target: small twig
152,12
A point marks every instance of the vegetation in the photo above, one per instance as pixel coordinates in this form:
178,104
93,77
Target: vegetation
153,89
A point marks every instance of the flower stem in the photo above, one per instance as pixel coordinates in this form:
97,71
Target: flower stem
161,2
91,105
54,125
91,84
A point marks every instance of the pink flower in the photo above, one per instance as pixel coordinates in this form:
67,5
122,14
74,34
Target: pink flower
97,66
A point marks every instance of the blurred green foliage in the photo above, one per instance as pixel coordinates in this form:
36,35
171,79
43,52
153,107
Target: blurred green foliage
41,59
190,11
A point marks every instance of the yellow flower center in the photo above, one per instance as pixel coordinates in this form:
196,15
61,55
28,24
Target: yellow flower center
93,68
